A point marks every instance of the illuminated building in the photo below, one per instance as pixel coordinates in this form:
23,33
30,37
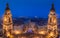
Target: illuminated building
52,24
7,22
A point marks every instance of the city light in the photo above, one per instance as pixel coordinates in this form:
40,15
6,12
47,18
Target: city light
8,34
17,32
51,34
42,32
23,37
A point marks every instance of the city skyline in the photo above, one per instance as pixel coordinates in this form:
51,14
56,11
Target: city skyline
30,29
30,8
46,27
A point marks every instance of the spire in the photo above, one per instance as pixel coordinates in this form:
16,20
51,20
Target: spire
53,7
7,7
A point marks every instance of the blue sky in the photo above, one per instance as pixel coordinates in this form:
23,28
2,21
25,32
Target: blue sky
30,8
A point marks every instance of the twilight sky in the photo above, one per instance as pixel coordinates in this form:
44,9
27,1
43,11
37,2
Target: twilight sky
30,8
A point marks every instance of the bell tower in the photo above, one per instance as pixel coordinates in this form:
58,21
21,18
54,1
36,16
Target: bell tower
7,22
52,24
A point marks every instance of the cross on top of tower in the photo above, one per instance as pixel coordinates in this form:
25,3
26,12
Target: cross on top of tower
52,9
